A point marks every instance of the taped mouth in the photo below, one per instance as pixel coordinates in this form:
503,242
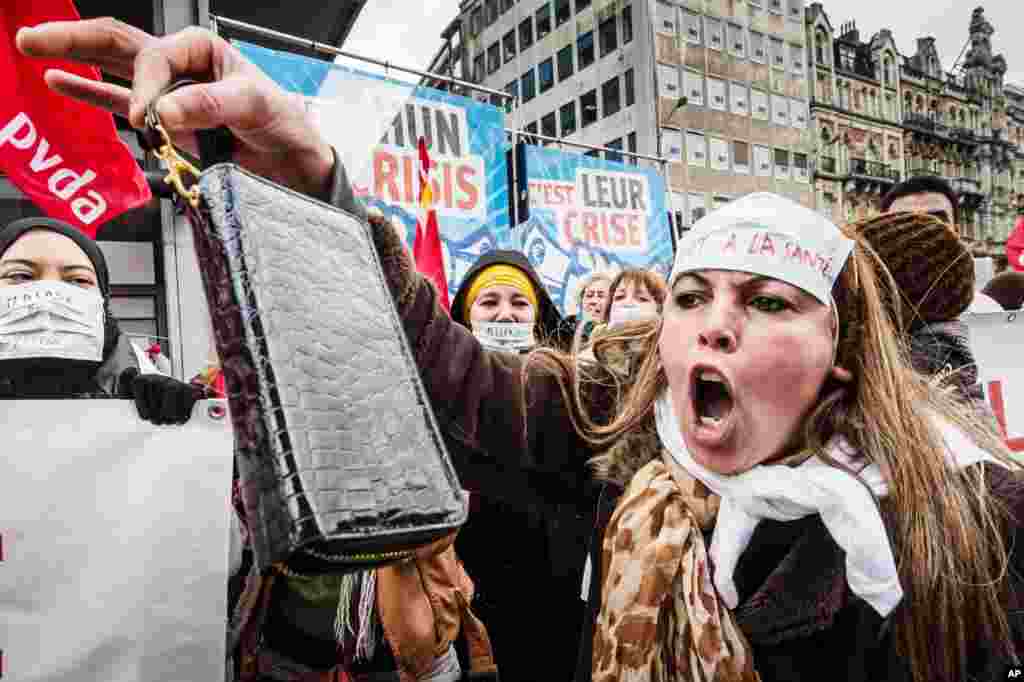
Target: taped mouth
712,400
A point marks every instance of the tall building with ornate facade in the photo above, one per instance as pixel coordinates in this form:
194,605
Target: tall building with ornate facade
880,116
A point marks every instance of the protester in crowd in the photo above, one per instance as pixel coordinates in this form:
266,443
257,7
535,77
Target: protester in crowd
591,306
50,260
635,294
934,276
1007,289
519,552
771,406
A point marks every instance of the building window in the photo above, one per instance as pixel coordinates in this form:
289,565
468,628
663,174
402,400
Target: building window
798,113
821,48
627,78
588,108
781,164
627,25
696,150
582,5
757,48
531,128
506,5
694,85
611,100
564,63
668,81
778,53
478,68
671,145
547,125
493,58
491,11
509,43
800,167
606,33
691,24
585,50
719,151
543,16
762,161
528,86
740,101
563,11
546,75
513,89
716,94
631,147
666,17
741,157
713,30
476,21
526,33
697,207
759,104
780,110
796,59
616,155
737,44
567,118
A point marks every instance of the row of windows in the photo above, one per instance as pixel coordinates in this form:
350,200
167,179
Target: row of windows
538,81
615,94
503,52
736,98
484,15
735,39
708,151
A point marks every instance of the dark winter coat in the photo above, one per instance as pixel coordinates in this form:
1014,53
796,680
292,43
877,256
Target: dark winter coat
525,555
796,609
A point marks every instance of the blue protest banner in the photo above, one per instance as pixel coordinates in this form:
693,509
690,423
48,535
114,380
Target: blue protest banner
590,215
375,122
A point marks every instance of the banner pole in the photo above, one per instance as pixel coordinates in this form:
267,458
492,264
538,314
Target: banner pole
216,21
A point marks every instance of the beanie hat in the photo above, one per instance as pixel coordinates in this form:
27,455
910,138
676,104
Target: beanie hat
933,269
500,274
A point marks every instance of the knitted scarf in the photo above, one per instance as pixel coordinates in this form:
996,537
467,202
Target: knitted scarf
661,619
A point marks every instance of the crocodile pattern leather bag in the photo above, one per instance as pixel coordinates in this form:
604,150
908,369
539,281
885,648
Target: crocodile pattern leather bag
341,462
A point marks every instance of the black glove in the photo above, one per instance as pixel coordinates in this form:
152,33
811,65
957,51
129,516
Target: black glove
158,398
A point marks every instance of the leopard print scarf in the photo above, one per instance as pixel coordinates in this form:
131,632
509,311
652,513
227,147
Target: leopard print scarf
660,618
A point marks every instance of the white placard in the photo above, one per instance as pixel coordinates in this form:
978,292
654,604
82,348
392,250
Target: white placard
996,341
115,543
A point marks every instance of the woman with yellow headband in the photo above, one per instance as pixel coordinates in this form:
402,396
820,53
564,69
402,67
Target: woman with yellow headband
519,553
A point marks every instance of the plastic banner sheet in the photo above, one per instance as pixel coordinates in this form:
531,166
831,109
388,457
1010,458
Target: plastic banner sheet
114,532
997,340
590,215
375,123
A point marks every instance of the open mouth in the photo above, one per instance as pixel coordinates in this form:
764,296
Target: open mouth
712,399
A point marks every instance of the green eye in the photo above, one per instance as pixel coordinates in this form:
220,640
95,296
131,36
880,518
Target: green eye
769,304
688,299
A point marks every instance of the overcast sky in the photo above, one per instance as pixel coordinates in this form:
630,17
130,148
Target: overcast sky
408,32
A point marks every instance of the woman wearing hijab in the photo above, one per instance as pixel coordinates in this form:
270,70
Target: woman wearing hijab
787,499
523,554
51,274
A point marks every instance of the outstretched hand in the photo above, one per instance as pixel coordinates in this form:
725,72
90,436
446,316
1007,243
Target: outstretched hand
276,138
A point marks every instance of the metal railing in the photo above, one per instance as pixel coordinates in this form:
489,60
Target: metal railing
873,169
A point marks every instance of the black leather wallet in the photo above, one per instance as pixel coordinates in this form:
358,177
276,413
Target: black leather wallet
341,462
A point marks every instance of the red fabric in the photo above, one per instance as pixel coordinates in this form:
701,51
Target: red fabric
426,248
64,154
1015,246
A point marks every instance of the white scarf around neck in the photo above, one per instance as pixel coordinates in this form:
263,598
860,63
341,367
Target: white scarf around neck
784,493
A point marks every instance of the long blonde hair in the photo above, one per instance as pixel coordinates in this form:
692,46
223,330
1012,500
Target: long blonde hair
950,547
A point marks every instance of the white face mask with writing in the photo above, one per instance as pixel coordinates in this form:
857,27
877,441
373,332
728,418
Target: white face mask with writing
513,337
629,312
51,320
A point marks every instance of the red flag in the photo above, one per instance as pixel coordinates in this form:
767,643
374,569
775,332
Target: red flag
1015,246
426,248
64,154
